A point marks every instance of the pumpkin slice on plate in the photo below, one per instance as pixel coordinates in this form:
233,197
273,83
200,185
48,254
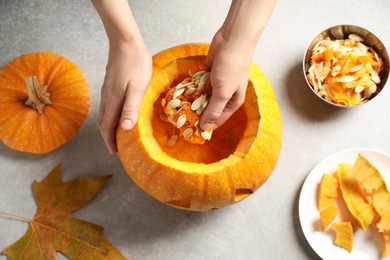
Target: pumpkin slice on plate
361,211
227,167
375,189
44,99
327,195
344,235
328,214
327,191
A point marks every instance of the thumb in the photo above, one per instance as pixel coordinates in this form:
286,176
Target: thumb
131,106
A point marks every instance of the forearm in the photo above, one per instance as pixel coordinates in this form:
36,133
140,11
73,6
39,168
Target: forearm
118,20
246,21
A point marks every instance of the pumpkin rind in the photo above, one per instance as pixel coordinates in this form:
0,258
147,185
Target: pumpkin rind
188,182
22,128
361,211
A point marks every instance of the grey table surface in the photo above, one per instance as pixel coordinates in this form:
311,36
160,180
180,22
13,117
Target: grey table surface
264,226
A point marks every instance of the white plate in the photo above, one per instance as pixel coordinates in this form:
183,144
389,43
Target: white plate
367,244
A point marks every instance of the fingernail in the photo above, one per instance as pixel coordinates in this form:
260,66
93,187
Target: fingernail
126,124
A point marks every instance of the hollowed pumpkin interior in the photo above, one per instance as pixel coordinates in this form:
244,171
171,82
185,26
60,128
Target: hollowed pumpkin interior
238,159
225,139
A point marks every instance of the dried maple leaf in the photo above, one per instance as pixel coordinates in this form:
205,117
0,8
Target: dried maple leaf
53,229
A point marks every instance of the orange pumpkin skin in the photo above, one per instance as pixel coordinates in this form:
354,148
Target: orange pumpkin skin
237,160
22,127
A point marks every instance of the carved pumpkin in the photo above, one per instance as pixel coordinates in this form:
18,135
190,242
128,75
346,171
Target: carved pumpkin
44,100
226,169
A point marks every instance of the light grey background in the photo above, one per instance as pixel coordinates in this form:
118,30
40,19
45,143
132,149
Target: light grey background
264,226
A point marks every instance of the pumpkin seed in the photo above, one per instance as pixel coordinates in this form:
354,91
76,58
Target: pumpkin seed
174,103
200,89
177,111
199,74
190,91
182,104
346,79
205,104
188,132
179,86
336,70
368,93
199,111
181,121
202,81
359,89
377,56
375,77
197,103
355,37
178,92
373,88
356,68
344,66
206,135
188,84
196,82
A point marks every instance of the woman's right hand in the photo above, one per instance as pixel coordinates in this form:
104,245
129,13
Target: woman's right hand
128,74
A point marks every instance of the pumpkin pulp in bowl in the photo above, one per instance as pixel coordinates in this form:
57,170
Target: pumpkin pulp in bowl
229,167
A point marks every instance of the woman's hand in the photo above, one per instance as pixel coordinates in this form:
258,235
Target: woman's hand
128,70
128,74
230,56
229,78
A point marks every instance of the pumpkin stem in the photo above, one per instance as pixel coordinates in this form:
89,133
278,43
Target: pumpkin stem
38,97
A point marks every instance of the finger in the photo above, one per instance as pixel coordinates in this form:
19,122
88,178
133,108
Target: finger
107,122
213,111
214,117
131,106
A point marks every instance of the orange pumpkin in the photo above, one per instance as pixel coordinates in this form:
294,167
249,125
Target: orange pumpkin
226,169
44,100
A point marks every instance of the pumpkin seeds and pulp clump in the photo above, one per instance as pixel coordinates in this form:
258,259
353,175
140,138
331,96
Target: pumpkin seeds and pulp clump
183,106
345,71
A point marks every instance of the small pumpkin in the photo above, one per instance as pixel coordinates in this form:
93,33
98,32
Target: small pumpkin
226,169
44,100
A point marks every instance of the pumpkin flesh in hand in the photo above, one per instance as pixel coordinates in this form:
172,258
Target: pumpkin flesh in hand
44,99
226,169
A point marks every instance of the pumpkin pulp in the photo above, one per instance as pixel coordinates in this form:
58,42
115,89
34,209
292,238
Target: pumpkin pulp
229,134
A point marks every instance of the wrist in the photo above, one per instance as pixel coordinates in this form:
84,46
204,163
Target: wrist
246,21
118,21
